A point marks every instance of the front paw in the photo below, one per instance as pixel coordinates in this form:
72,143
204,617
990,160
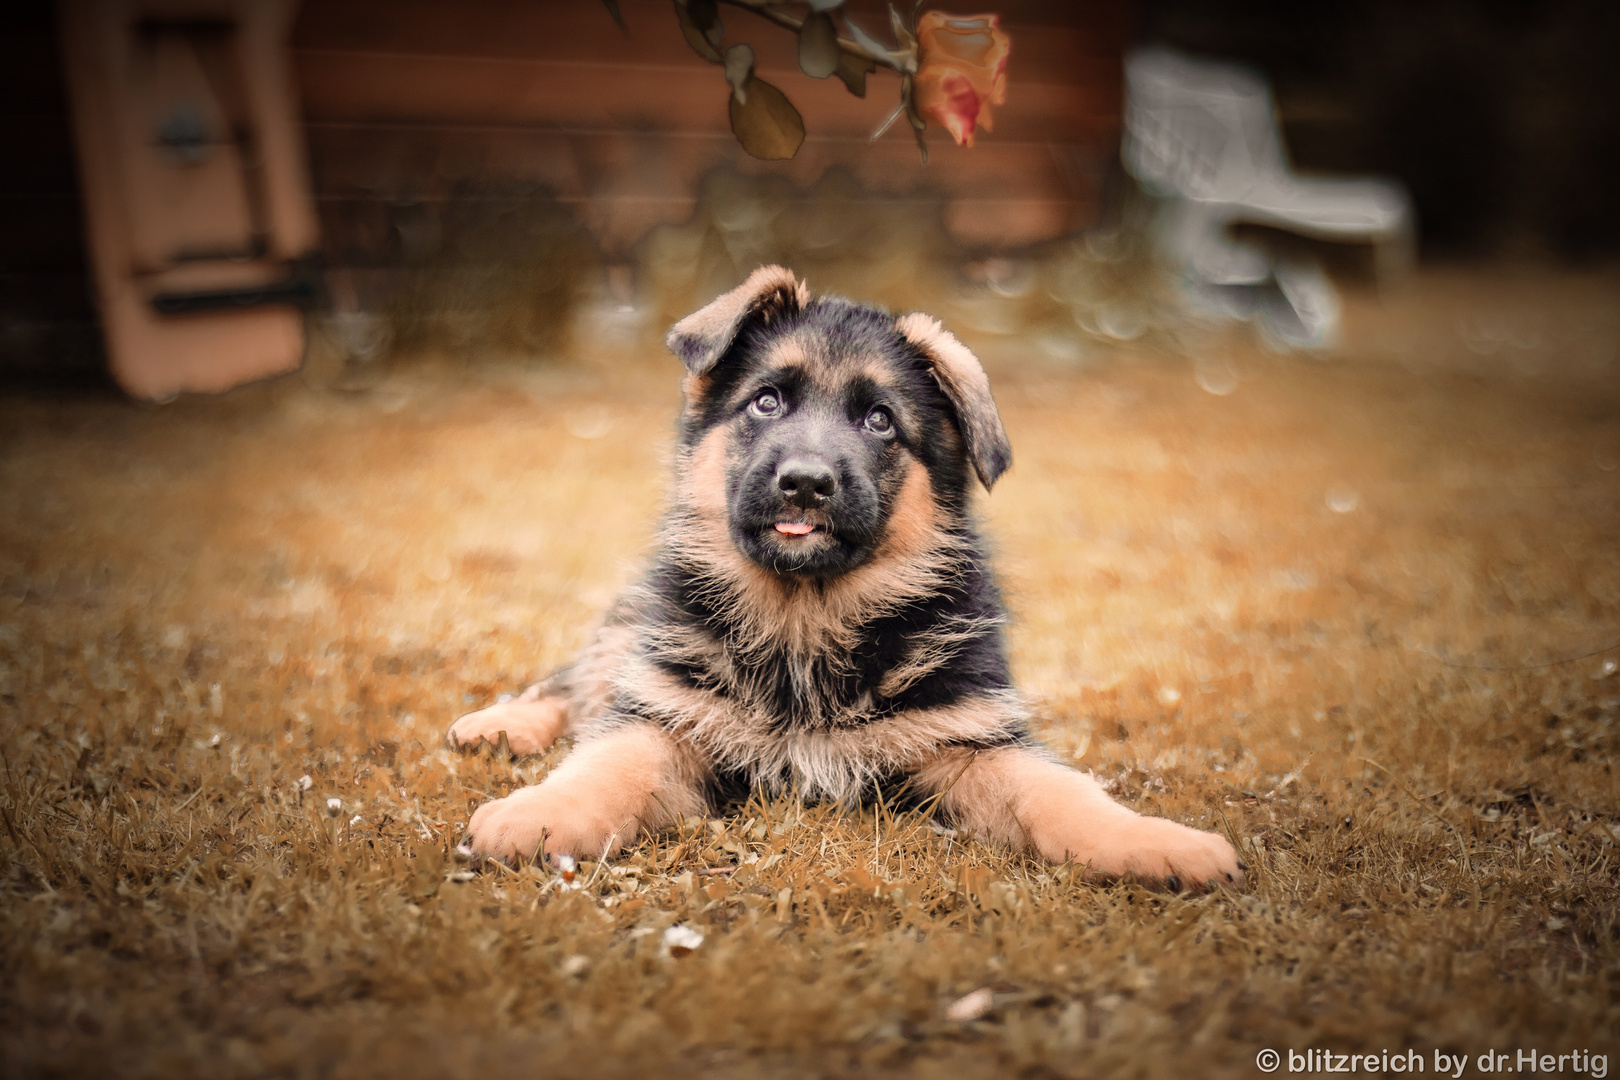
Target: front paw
1165,851
531,724
531,824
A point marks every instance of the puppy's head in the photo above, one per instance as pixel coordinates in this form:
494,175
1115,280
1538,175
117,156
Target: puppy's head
824,424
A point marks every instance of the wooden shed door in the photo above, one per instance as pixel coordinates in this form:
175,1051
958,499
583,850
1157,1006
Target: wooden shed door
195,185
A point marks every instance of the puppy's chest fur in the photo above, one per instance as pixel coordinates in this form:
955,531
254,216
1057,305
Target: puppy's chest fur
825,706
818,671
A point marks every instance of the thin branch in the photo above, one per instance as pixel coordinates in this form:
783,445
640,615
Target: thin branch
899,111
766,10
1600,650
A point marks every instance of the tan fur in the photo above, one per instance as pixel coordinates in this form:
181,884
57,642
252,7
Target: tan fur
701,337
547,711
590,677
607,792
531,723
1017,795
807,352
877,374
694,392
835,761
810,617
962,377
700,474
796,350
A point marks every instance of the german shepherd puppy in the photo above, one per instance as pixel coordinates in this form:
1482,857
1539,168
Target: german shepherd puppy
819,615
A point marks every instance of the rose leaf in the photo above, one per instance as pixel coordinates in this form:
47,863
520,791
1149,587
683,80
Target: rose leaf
766,123
853,70
703,39
818,46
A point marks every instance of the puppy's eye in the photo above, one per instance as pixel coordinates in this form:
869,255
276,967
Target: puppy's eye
767,403
878,422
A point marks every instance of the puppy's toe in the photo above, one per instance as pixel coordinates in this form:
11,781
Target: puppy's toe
505,829
531,725
529,825
1180,857
1199,859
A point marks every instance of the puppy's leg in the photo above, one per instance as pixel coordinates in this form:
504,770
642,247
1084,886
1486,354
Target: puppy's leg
611,788
547,710
1016,795
532,722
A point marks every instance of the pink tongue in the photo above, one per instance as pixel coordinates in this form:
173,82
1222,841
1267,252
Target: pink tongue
795,528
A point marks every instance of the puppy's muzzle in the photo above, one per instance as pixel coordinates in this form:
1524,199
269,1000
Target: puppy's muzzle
807,482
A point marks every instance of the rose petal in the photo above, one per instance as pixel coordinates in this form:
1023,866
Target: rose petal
962,71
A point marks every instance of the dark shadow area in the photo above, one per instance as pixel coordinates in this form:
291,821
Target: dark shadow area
1503,119
50,339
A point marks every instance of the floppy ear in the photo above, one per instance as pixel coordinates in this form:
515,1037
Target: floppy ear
700,339
962,377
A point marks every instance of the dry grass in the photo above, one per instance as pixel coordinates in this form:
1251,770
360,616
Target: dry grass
206,602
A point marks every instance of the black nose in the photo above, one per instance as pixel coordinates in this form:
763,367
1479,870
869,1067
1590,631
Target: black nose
806,481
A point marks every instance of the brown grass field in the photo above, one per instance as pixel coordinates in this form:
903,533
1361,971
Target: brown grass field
1361,611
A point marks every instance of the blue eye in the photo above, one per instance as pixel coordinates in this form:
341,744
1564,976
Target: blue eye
767,403
878,422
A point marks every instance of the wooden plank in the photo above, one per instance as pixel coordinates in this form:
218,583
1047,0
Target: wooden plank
425,161
1047,38
407,102
623,183
340,85
621,222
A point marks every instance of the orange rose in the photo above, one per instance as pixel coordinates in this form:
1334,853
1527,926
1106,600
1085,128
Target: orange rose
961,71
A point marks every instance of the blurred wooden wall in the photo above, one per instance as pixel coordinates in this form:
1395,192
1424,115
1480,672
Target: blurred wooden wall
410,102
414,105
